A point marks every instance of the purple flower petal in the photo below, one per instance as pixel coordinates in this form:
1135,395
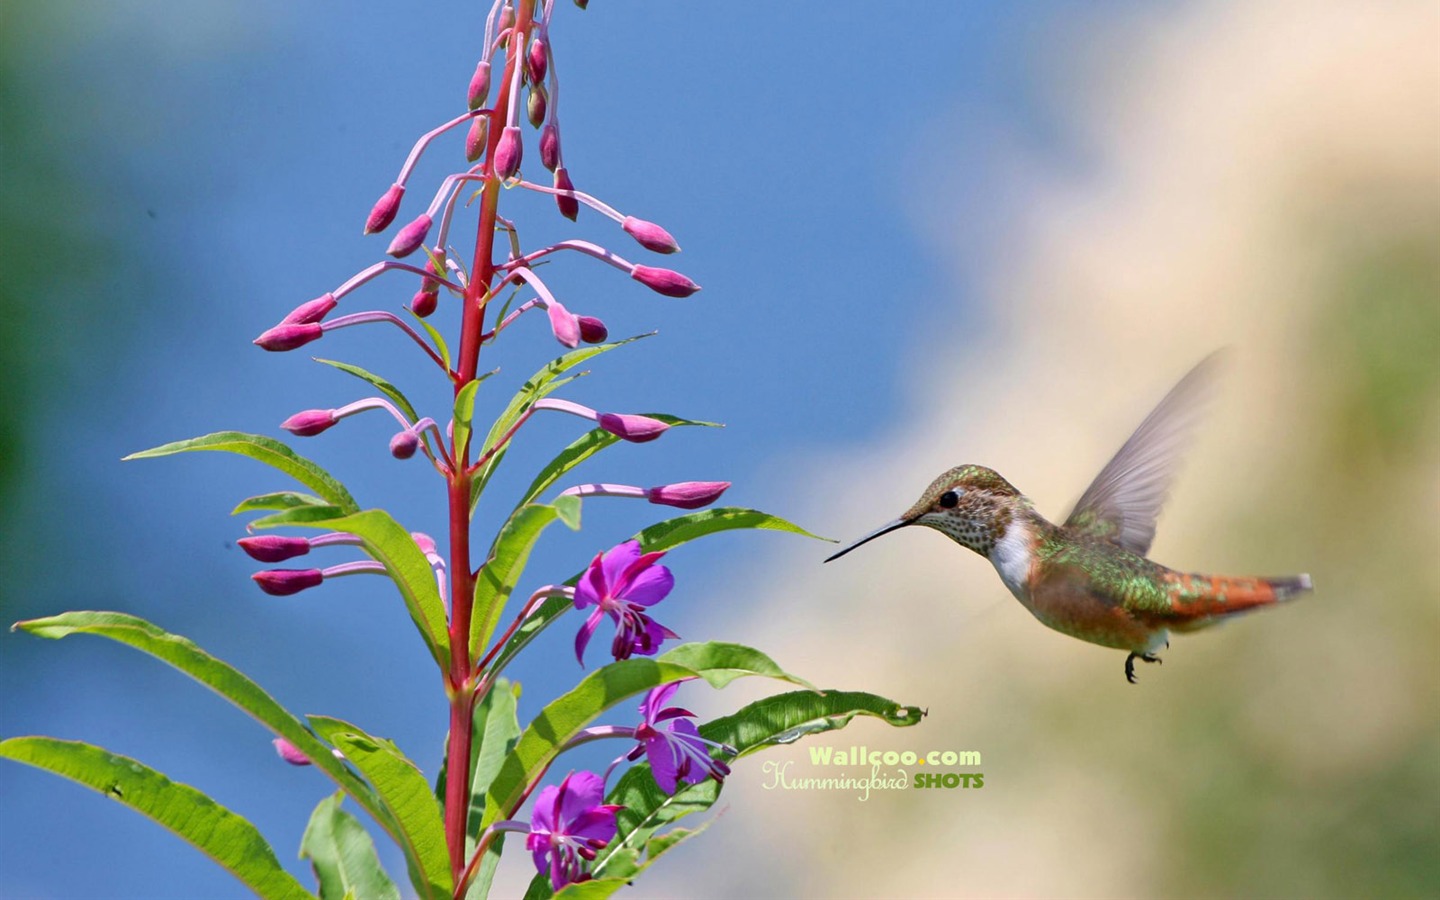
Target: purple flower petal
664,761
578,793
616,560
656,699
650,586
591,588
582,637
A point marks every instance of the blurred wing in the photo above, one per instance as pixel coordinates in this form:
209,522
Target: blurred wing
1123,502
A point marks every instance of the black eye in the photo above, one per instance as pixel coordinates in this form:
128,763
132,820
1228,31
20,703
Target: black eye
949,499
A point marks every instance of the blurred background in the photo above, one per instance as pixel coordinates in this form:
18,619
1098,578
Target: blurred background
986,232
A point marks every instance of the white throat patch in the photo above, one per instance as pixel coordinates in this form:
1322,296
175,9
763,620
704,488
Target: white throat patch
1011,556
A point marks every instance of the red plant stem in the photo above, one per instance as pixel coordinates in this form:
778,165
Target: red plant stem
461,690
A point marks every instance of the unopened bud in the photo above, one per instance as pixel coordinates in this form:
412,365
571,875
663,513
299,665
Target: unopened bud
537,61
479,85
410,237
310,422
636,429
687,494
569,206
592,330
290,753
508,153
289,336
284,582
507,18
649,235
535,103
550,146
476,137
273,548
404,444
583,4
311,311
384,210
424,302
664,281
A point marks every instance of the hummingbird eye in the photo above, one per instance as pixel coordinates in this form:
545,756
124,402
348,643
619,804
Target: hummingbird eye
949,499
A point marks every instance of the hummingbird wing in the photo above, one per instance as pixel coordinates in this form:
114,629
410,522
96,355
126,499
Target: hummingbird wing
1123,502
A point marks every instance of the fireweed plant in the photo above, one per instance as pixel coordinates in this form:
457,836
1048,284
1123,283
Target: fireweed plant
582,826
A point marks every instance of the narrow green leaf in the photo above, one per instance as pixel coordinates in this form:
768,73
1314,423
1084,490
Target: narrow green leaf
437,339
342,855
506,562
497,734
385,387
278,500
564,717
222,835
584,447
299,516
782,718
389,544
406,794
665,535
542,383
266,450
464,413
220,677
720,663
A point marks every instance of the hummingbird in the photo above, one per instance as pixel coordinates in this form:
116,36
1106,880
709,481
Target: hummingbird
1089,577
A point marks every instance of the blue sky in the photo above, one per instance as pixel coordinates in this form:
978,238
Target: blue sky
233,150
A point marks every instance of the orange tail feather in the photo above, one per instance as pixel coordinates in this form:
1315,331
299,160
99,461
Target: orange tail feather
1200,600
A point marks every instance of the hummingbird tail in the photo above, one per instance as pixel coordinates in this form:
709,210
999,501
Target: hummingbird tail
1198,600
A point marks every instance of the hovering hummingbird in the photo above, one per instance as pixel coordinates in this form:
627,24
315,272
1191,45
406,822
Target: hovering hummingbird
1089,577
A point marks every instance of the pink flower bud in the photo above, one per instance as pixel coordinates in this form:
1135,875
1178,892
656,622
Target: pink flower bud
479,85
687,494
537,61
664,281
592,330
424,302
425,542
273,548
550,146
404,444
508,152
290,753
535,103
507,18
476,137
284,582
564,323
384,210
289,336
569,206
410,237
311,311
649,235
636,429
309,422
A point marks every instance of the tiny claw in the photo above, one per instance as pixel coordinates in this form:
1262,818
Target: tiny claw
1143,657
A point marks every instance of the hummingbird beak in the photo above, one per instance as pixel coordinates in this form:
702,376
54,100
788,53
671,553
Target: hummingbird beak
883,529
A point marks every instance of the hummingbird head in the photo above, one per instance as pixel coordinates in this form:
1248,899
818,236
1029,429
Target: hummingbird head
972,505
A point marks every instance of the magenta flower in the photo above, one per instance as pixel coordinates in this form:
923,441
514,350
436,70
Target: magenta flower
311,311
273,548
570,822
284,582
409,239
687,494
649,235
622,583
633,428
310,422
288,336
677,753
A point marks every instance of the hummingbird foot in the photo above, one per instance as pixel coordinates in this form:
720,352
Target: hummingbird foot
1143,657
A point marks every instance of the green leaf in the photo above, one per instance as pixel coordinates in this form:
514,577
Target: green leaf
622,868
497,730
300,516
385,387
389,544
437,339
220,677
779,719
464,413
279,500
266,450
541,384
406,794
586,446
222,835
564,717
665,535
342,855
506,562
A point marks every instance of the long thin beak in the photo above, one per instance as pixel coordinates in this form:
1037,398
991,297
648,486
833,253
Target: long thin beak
883,529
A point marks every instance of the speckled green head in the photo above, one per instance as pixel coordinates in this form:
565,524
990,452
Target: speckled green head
973,505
